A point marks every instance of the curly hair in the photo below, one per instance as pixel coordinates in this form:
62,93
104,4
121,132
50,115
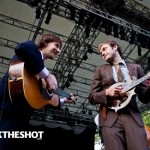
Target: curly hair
112,44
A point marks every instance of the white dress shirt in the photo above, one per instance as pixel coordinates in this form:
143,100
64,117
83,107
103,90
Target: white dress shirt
44,73
124,70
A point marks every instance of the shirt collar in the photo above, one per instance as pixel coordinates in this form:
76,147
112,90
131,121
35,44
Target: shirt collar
42,55
123,62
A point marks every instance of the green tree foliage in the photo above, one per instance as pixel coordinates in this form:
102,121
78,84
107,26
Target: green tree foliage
97,137
146,117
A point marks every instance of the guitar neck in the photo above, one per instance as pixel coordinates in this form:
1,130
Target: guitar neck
137,82
59,92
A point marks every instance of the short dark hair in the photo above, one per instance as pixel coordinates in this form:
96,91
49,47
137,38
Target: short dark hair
48,38
112,44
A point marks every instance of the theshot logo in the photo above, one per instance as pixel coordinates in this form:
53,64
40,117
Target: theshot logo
22,134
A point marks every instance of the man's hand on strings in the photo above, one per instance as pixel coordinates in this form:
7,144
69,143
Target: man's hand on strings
113,91
71,99
51,82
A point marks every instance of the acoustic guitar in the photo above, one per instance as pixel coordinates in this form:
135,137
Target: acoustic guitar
23,85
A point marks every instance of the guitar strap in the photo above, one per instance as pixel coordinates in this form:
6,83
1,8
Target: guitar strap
104,113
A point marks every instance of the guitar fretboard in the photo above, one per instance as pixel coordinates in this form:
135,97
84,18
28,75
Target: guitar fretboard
137,82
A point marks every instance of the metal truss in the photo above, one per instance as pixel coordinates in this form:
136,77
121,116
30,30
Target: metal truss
73,53
131,26
27,26
7,43
136,13
138,8
64,117
62,9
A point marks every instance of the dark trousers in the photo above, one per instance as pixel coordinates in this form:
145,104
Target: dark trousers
125,134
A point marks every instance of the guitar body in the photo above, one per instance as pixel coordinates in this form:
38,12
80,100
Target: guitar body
96,120
124,98
126,94
26,86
